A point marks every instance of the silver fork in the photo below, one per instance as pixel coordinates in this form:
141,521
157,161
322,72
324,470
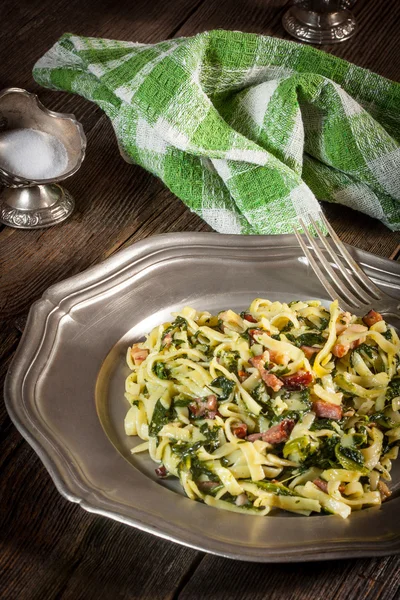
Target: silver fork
345,281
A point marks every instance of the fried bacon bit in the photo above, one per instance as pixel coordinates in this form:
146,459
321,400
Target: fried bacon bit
138,354
240,430
259,361
167,341
254,332
372,317
309,351
276,434
204,407
207,486
340,350
269,379
243,375
321,484
297,381
326,410
384,490
161,471
248,317
279,433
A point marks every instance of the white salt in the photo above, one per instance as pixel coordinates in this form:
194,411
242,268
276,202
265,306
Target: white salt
32,154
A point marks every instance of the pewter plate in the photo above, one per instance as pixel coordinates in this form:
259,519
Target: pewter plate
64,391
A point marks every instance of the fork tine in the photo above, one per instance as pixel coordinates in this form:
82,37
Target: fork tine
362,294
343,293
356,269
319,273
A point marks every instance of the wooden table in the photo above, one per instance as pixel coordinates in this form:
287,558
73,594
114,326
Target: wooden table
51,548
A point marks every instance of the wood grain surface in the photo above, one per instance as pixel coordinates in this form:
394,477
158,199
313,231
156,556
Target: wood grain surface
50,548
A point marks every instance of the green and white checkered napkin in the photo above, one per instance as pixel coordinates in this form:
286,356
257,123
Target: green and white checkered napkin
247,130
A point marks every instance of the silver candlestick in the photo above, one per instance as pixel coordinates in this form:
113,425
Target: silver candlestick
320,21
35,203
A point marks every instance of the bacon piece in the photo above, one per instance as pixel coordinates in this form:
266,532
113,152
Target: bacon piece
279,433
138,354
167,341
207,486
297,381
326,410
254,437
270,379
258,361
204,407
248,317
254,332
321,484
276,434
309,351
243,375
340,350
240,430
372,317
212,403
384,490
161,471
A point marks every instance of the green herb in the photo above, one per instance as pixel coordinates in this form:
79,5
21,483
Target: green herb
230,360
275,488
307,339
226,386
300,448
246,336
161,416
179,401
393,389
388,334
383,420
323,323
325,424
350,459
324,456
181,323
161,370
212,436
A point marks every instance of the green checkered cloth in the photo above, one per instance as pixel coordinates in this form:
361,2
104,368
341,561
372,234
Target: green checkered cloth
247,130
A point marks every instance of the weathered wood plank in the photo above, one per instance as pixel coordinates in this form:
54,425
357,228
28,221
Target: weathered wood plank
368,579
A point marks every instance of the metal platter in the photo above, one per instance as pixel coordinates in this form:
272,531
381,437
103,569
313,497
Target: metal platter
64,390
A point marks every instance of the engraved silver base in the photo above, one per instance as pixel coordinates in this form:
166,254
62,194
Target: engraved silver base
319,27
36,206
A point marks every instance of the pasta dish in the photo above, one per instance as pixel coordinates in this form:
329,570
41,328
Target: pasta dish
283,406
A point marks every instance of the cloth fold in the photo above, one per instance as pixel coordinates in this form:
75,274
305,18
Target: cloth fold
247,130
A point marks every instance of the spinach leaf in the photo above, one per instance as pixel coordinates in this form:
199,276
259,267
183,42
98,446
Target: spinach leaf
160,418
307,339
350,458
323,323
226,386
161,370
275,488
393,389
324,457
180,323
